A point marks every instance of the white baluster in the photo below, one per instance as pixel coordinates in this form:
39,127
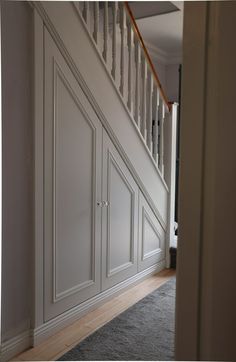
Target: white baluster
105,23
144,95
114,21
81,6
122,52
137,82
161,133
129,42
86,12
155,126
149,112
96,21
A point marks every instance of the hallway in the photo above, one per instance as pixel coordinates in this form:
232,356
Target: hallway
55,346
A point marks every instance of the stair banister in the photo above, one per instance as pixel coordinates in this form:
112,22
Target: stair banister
105,31
144,97
96,21
116,36
137,82
129,42
122,51
149,113
155,124
136,29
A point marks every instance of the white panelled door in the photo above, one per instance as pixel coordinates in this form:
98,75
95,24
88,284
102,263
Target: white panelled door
72,186
120,218
151,248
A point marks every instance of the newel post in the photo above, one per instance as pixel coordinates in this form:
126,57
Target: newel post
170,174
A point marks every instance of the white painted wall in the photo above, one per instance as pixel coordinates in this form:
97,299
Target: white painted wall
161,71
172,82
17,167
206,293
167,69
168,75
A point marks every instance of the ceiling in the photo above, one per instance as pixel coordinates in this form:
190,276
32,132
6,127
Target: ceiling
146,9
161,32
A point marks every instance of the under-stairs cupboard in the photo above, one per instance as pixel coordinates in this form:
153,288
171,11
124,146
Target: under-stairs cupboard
99,229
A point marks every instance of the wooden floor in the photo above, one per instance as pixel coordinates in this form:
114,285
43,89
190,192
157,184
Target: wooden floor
63,341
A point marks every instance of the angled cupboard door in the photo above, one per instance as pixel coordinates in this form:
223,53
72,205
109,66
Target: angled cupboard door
72,186
151,248
120,218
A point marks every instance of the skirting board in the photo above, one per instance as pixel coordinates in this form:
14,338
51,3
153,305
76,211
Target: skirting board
15,345
33,337
56,324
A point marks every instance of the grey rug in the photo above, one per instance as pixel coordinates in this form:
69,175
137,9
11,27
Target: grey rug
143,332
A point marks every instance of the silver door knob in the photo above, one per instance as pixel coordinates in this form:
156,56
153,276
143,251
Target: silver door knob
103,203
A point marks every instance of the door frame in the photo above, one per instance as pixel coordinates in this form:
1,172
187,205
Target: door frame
205,308
191,181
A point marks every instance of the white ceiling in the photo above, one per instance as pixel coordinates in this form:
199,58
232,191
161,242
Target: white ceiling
164,32
146,9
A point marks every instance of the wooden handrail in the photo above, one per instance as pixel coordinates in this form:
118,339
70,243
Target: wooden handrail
136,29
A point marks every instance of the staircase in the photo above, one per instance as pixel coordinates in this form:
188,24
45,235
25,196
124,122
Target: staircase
119,43
116,36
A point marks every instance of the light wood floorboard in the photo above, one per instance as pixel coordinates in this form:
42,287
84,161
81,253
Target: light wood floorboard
63,341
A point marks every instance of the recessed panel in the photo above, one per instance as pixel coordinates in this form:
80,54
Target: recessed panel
151,239
120,215
151,236
119,218
73,193
72,185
